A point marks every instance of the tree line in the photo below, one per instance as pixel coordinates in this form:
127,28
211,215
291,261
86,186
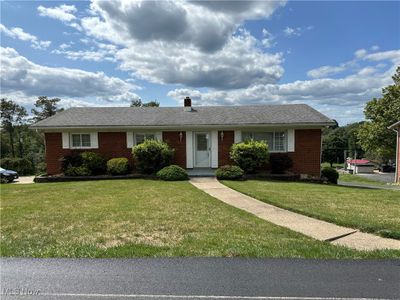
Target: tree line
371,138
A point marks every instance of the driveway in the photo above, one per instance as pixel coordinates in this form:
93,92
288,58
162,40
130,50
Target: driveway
199,278
24,180
383,177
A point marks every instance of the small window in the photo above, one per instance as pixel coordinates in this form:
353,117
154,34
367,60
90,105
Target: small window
140,137
80,140
279,141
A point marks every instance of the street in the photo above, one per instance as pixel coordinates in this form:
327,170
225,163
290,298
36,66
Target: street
198,278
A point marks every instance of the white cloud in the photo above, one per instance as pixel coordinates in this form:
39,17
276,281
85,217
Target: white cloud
20,34
198,44
64,13
374,48
267,39
360,53
19,75
326,94
325,71
295,31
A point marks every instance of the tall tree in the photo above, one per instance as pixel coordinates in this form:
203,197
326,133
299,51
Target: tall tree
139,103
374,136
45,108
12,115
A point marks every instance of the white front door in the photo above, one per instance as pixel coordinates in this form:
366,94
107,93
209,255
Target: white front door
202,150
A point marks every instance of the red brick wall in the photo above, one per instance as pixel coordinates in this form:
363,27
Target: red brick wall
54,152
111,144
224,147
173,140
307,155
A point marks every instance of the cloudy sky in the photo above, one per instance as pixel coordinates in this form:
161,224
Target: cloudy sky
334,56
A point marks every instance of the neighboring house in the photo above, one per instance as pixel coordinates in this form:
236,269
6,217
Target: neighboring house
360,166
396,127
201,136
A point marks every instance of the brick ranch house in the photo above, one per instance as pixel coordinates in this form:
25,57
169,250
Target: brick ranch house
201,136
396,127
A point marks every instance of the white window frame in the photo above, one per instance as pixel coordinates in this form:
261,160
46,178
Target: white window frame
285,144
144,133
80,134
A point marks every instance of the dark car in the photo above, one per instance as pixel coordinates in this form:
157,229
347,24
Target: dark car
8,175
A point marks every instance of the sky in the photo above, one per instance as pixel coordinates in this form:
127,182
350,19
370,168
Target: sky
332,55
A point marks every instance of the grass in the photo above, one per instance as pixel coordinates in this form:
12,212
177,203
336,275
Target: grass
359,179
137,218
334,165
374,211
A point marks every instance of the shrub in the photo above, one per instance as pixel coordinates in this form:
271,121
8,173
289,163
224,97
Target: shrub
94,162
118,166
77,171
73,160
330,174
229,172
151,156
280,163
21,165
249,155
172,173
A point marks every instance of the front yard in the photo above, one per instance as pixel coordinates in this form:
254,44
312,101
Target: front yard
375,211
132,218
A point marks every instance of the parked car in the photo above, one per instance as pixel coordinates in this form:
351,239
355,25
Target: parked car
387,168
8,175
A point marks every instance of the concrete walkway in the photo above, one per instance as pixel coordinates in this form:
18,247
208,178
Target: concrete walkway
311,227
24,180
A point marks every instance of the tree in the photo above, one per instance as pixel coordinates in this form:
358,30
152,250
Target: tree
153,103
139,103
48,108
374,136
12,115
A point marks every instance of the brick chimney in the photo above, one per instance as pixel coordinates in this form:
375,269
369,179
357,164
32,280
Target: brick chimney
187,103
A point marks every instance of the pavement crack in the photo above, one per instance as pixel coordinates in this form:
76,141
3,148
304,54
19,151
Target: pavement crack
340,236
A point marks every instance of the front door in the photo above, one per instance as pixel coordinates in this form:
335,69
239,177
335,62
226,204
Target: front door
202,150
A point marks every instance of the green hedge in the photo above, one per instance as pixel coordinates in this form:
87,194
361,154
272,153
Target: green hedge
172,173
77,171
249,155
151,156
330,174
118,166
21,165
280,163
229,172
94,162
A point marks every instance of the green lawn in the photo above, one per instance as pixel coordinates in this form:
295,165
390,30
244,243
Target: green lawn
375,211
133,218
359,179
334,165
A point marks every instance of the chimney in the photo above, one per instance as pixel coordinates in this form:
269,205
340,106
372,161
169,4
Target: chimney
187,104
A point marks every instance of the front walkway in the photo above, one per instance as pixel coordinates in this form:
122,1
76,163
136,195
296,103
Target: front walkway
311,227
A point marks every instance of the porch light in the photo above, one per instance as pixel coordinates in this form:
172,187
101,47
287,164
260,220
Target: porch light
222,135
180,136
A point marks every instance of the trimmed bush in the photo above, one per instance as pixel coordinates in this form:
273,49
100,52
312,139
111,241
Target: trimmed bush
172,173
77,171
22,166
151,156
280,163
94,162
330,174
249,155
229,172
118,166
73,160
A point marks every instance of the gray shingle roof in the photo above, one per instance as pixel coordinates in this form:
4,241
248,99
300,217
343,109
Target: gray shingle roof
295,114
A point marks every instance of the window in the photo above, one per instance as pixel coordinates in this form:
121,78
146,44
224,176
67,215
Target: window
80,140
276,140
140,137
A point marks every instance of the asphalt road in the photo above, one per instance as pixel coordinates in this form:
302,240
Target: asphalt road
199,278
